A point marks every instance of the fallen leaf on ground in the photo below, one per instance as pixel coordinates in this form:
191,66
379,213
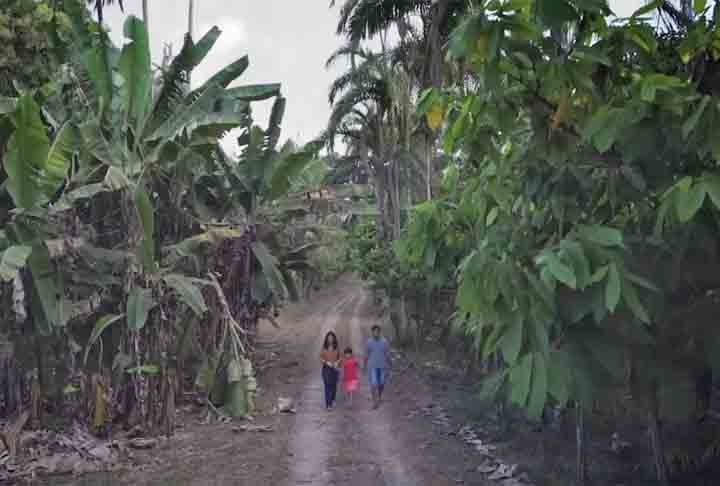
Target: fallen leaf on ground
504,471
253,428
140,443
487,467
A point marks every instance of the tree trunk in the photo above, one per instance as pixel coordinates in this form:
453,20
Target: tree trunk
190,32
429,164
381,202
146,17
434,45
656,442
581,444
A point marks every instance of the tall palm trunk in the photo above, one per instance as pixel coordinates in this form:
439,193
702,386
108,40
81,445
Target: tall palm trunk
146,16
191,22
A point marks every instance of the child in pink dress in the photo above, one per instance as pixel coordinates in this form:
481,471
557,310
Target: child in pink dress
350,377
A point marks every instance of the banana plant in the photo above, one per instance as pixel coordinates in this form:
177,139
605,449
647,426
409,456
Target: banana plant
121,137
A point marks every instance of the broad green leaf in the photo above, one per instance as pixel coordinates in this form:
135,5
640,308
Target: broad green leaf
592,54
48,283
600,274
520,380
256,92
560,271
103,323
13,259
559,377
270,269
699,6
136,70
146,215
96,61
537,332
188,292
492,216
688,202
612,289
463,39
602,235
227,75
539,388
280,179
712,187
580,264
642,282
27,150
511,341
185,118
632,300
692,121
556,12
115,179
139,304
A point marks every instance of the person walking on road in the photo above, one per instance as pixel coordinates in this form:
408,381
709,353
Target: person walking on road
330,358
377,361
350,373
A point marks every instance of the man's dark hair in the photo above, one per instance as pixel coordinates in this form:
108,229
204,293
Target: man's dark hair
348,350
376,327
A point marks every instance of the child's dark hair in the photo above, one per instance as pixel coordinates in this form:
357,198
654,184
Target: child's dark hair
347,350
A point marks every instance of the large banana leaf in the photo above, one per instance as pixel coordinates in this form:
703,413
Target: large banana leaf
226,75
187,291
255,92
176,76
136,71
270,269
285,171
49,288
13,259
36,169
187,116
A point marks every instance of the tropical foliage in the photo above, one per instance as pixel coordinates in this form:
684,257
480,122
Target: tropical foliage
577,211
135,253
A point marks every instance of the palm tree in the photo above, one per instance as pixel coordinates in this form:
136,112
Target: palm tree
424,27
373,113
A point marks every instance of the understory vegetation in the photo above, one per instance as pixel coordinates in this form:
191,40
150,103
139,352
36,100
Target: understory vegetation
547,190
138,255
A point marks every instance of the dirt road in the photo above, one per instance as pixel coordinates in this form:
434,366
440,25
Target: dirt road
351,445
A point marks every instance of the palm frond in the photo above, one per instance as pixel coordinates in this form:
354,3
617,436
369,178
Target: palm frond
362,19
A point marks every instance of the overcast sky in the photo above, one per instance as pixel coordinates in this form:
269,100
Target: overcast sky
287,41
